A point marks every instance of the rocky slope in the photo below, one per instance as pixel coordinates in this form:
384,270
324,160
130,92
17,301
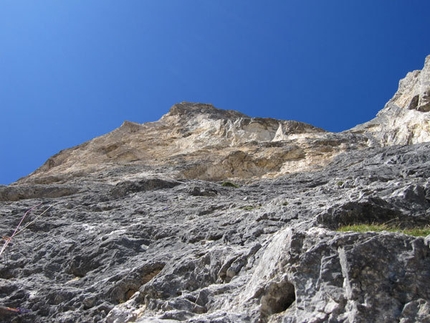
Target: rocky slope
199,141
404,120
147,224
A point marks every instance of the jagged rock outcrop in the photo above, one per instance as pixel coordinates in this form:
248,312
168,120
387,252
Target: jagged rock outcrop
199,141
211,216
404,119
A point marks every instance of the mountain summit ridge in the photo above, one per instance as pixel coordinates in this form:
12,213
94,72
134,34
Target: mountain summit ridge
194,132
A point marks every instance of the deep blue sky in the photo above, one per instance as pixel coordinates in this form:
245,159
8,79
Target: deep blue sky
73,70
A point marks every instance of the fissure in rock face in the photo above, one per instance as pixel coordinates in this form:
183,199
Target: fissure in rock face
209,215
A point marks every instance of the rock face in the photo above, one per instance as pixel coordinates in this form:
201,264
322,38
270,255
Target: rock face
198,141
212,216
404,120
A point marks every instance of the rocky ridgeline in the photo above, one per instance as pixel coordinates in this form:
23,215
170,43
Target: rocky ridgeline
209,215
404,120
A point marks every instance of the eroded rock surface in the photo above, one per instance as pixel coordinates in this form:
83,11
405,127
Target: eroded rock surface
201,251
199,141
211,216
404,119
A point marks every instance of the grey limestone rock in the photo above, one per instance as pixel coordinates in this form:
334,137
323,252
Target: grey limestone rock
405,117
211,216
199,251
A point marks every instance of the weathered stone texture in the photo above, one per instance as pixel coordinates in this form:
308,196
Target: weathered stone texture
211,216
405,119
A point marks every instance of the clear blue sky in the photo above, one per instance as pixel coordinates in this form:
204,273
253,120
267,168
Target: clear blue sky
72,70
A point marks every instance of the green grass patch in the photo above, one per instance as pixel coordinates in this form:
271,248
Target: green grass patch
416,232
